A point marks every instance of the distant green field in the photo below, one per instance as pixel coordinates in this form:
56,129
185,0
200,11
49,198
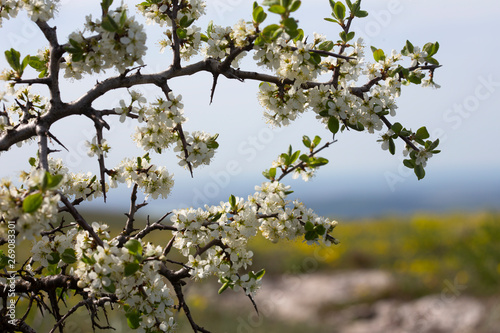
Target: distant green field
423,251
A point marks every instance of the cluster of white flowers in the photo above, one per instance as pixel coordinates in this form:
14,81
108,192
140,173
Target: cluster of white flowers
99,149
47,249
161,118
118,49
200,149
189,45
218,42
73,185
118,270
28,223
42,10
289,59
158,11
8,9
153,180
233,223
138,110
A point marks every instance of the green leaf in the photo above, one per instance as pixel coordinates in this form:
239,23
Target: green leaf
309,226
326,46
24,64
88,260
332,4
314,58
419,171
186,22
212,142
32,161
320,229
259,15
294,6
110,289
379,55
433,145
333,124
304,158
317,162
290,25
392,146
432,61
270,32
53,269
316,141
131,268
409,46
422,133
270,2
277,9
409,163
396,128
69,256
300,35
133,319
361,13
181,33
260,274
339,10
37,64
32,202
109,24
4,260
133,246
105,4
54,258
294,156
53,181
123,18
330,20
13,58
272,173
310,235
307,141
224,287
232,198
357,127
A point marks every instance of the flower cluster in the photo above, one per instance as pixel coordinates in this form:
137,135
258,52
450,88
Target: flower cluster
190,42
125,272
33,207
75,186
42,10
135,108
161,119
199,147
228,227
222,40
99,149
119,45
160,12
154,181
27,108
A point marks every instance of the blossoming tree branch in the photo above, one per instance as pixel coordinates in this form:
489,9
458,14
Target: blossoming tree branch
78,265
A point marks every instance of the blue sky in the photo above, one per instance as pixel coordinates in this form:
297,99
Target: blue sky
463,113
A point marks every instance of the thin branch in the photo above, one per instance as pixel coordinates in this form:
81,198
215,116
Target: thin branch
302,163
182,304
80,220
404,138
185,144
